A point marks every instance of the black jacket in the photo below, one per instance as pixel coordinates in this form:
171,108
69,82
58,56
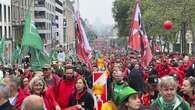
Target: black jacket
7,106
86,101
136,79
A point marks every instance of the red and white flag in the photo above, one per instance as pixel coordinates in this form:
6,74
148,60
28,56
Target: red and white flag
83,49
138,39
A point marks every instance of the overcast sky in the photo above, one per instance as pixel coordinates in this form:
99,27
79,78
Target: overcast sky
97,11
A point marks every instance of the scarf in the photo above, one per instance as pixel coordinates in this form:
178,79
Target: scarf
168,106
80,95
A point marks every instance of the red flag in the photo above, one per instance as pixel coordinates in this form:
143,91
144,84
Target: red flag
138,40
83,50
134,36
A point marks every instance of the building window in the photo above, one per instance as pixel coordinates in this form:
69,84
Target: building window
56,17
58,10
0,13
5,13
39,3
59,2
40,14
9,31
5,32
9,16
40,25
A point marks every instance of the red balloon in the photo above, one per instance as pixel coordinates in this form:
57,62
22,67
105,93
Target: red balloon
168,25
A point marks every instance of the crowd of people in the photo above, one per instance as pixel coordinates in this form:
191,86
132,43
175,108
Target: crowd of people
168,83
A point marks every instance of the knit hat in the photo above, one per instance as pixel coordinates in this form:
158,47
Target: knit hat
124,94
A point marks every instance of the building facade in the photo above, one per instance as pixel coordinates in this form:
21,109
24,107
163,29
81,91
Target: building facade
44,15
69,26
59,18
19,9
5,28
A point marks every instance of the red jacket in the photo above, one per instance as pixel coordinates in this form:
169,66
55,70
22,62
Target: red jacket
55,83
19,99
26,91
179,74
49,99
162,70
64,91
191,101
146,99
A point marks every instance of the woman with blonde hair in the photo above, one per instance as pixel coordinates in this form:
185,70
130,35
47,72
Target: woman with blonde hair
38,87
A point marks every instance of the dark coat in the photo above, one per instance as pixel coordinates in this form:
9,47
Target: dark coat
86,101
136,79
190,72
7,106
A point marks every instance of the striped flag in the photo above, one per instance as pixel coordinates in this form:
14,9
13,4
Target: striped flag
83,49
100,78
138,39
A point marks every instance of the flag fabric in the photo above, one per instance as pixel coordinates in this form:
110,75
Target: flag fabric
16,55
100,78
31,36
83,49
138,40
33,44
53,55
38,59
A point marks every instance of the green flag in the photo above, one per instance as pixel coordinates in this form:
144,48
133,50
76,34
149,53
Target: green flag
38,59
16,55
32,43
31,36
53,55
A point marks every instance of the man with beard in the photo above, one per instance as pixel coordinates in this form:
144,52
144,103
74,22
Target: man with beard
65,87
50,78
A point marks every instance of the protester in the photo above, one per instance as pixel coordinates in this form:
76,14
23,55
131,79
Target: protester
33,102
128,99
191,70
61,56
4,96
168,98
50,78
65,87
116,84
81,96
38,87
16,94
188,90
27,73
136,78
24,87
